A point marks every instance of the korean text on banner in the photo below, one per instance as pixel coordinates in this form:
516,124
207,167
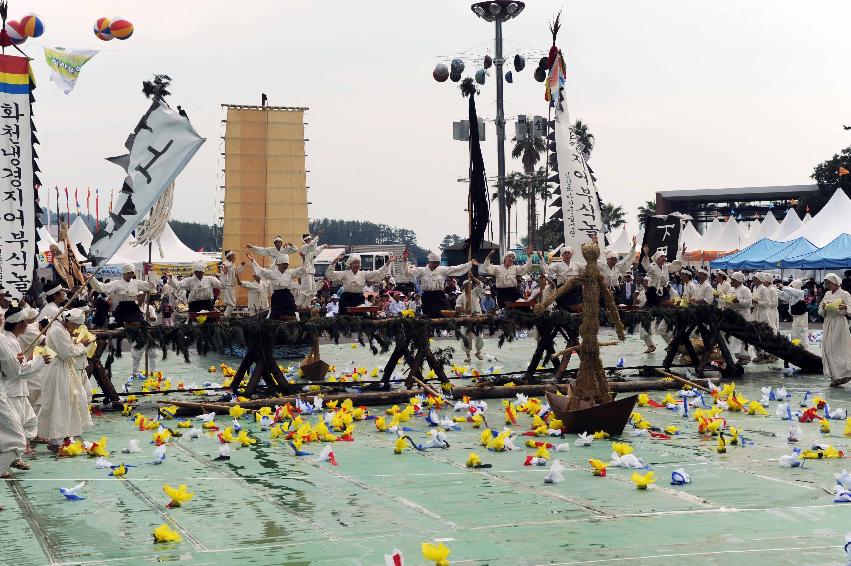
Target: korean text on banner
17,177
65,65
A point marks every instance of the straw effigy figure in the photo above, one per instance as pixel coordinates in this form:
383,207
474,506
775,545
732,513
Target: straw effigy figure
591,387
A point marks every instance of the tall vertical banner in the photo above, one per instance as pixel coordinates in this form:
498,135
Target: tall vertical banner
580,205
18,222
159,148
662,234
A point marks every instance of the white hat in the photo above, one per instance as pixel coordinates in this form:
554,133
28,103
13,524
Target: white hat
702,270
352,258
657,255
738,276
17,316
282,258
228,253
77,316
509,253
30,312
128,268
55,289
199,266
767,277
796,283
433,257
566,249
611,254
685,271
834,278
278,239
721,273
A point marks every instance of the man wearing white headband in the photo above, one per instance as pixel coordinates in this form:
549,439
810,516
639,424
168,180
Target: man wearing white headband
613,270
659,271
55,297
307,285
354,279
506,274
432,279
230,280
705,293
742,302
137,353
689,287
124,291
836,339
282,282
13,441
273,251
199,288
561,271
64,409
722,288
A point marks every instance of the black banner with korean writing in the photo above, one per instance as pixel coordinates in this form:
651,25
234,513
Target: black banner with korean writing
18,207
662,233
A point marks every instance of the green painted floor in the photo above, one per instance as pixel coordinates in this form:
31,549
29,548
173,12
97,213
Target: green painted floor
265,506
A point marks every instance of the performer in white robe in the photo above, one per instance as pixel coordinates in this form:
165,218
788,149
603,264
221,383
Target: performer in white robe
659,271
836,341
612,269
230,280
55,297
274,251
124,292
30,335
793,296
307,285
689,287
199,288
741,303
722,288
354,279
705,294
561,271
506,274
64,411
138,354
474,308
432,279
283,285
17,389
258,299
773,299
12,437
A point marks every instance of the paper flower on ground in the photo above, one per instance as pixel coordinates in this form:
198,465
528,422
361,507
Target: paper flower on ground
159,455
71,494
843,478
555,474
792,460
438,554
584,439
327,455
794,433
599,467
178,496
224,452
643,481
841,495
164,533
680,477
120,470
395,558
474,461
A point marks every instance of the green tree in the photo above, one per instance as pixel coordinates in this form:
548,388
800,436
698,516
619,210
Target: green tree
529,151
584,137
827,175
614,216
450,240
361,232
195,235
645,211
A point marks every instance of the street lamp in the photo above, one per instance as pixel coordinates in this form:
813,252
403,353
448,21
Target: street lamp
499,11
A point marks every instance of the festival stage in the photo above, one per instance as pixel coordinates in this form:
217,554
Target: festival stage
266,506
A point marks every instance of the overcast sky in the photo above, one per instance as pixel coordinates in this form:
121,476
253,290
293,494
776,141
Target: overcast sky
679,93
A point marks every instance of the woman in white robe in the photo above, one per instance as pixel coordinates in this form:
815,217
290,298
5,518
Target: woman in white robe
12,439
836,341
64,409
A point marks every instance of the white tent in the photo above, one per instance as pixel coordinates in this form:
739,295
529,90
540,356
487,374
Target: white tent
690,237
729,238
711,232
829,223
621,244
168,249
44,240
807,218
769,226
791,222
79,233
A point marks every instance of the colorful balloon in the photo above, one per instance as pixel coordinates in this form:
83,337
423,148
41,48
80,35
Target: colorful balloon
121,29
16,32
32,25
440,73
101,29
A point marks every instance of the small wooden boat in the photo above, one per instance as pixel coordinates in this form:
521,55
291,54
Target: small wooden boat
315,371
611,417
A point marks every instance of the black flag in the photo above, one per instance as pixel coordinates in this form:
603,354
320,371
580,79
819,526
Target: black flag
478,185
662,233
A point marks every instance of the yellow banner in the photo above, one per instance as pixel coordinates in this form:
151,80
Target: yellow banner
183,269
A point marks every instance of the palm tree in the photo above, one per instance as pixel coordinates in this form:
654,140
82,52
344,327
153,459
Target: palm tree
516,188
645,212
529,151
614,216
584,137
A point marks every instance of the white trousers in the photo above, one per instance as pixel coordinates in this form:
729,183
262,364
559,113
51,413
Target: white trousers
138,353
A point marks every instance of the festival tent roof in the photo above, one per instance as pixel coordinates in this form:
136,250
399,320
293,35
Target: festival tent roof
715,227
832,221
621,243
729,238
807,218
797,247
749,258
791,222
44,240
690,237
835,255
168,249
79,233
767,229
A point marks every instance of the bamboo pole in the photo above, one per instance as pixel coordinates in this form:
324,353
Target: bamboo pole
683,380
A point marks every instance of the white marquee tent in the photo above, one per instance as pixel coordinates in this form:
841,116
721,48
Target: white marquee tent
828,224
791,222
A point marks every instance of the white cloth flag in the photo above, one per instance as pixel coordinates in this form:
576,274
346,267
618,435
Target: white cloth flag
160,147
17,178
65,65
579,201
